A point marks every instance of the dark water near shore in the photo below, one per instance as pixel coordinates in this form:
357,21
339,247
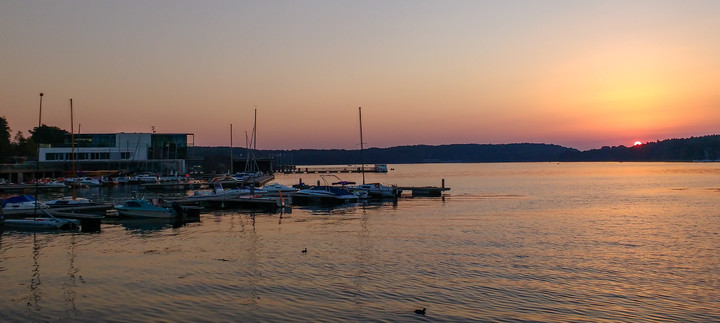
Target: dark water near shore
511,242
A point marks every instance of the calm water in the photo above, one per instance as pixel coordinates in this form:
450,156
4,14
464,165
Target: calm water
511,242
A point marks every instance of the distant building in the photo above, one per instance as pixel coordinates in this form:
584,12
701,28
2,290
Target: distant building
125,152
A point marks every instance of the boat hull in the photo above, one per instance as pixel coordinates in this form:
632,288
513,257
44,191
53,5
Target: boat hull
146,214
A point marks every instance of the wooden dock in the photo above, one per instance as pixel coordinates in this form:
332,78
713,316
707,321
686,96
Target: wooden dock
336,169
431,191
249,202
191,185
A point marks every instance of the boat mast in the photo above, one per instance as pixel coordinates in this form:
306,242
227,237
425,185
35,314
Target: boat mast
37,164
231,147
362,162
72,151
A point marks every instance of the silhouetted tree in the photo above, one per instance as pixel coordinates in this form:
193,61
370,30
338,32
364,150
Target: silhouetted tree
24,146
48,135
6,148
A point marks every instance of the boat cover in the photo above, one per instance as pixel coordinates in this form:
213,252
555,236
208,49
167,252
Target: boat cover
18,199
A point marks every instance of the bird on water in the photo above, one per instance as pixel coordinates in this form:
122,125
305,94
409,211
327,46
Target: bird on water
422,311
304,250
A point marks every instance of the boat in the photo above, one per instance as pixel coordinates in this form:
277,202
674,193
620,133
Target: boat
42,223
275,188
83,182
39,223
19,202
142,208
377,190
219,192
324,195
69,201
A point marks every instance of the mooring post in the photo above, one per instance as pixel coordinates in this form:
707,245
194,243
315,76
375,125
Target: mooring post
443,184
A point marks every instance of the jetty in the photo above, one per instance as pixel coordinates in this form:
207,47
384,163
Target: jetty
431,191
257,181
244,201
378,168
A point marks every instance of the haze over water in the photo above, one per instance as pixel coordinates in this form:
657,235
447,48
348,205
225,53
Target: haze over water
511,242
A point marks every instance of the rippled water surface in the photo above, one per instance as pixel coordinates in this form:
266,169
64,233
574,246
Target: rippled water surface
510,242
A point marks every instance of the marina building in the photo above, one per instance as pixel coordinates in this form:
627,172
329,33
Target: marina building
124,152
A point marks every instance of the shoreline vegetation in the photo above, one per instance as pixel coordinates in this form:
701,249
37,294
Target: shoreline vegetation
704,148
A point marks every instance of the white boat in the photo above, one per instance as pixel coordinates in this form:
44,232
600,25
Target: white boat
377,190
141,208
54,184
20,202
324,195
275,188
42,223
69,201
84,181
219,192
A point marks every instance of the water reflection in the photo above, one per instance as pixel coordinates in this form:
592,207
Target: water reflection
70,283
142,226
35,296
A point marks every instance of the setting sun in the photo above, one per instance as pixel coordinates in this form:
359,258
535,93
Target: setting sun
637,143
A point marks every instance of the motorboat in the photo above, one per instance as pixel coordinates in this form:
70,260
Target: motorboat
39,223
324,195
20,202
83,182
69,201
275,188
377,190
219,192
42,223
142,208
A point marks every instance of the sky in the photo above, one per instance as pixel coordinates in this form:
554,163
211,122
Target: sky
581,74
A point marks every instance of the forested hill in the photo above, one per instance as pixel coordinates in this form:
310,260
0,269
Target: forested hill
466,153
689,149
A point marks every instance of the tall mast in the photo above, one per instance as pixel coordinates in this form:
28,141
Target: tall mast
72,150
362,161
37,164
231,147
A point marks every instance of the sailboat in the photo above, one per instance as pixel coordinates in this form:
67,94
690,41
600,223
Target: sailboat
373,190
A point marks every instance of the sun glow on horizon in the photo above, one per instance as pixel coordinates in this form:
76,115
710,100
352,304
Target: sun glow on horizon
638,143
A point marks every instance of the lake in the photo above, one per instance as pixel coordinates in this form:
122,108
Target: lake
548,242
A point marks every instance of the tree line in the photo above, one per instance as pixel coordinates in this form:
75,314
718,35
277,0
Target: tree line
17,147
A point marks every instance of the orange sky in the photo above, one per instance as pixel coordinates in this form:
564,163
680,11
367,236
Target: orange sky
575,73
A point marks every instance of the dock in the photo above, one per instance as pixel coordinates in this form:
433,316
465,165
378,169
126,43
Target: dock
380,168
431,191
249,201
191,185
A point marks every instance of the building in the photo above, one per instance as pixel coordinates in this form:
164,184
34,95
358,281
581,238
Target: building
125,152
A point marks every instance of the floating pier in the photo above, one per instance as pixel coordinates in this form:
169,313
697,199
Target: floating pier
256,181
379,168
432,191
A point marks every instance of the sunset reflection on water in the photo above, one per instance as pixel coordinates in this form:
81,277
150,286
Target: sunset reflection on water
537,241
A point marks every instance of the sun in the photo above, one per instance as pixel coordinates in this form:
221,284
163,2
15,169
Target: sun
637,143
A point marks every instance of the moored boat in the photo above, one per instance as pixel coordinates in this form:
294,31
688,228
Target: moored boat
69,201
141,208
377,190
324,195
20,202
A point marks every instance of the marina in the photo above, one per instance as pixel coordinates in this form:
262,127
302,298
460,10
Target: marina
513,242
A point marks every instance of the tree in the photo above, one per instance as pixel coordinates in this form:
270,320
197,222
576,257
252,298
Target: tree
5,146
24,146
48,135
